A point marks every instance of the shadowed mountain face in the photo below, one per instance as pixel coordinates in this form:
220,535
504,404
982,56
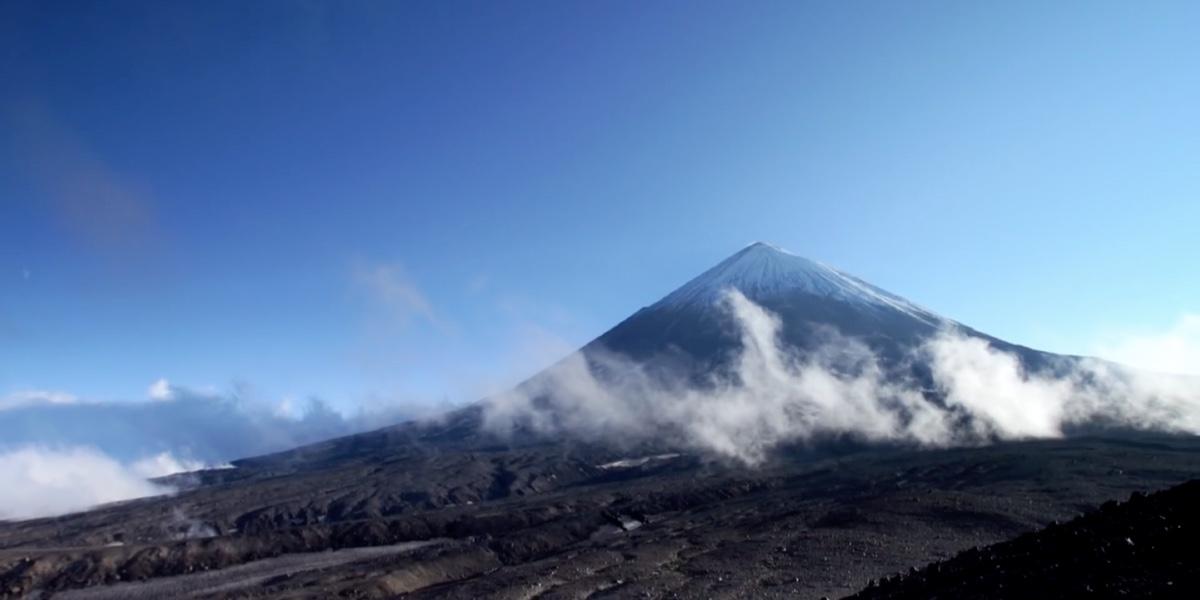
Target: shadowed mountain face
812,300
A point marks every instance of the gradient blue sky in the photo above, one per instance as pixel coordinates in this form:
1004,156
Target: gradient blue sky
394,202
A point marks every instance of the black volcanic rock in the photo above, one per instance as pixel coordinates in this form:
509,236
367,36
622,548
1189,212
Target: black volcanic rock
1142,548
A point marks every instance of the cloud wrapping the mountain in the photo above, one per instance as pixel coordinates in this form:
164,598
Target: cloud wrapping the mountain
992,387
774,395
771,396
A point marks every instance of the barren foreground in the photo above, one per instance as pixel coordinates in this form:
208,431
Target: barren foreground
403,511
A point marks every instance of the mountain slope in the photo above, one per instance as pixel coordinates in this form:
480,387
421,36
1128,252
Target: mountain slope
811,300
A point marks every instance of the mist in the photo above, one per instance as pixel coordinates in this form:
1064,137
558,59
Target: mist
62,454
203,427
773,394
38,482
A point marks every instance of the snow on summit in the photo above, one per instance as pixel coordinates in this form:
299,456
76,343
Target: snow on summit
763,271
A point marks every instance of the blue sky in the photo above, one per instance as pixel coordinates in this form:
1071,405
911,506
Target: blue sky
380,203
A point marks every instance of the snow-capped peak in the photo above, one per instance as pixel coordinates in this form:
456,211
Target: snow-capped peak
762,271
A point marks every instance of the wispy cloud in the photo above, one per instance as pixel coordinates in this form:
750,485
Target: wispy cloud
110,211
60,453
37,481
159,390
164,463
773,394
19,398
389,287
1176,350
192,425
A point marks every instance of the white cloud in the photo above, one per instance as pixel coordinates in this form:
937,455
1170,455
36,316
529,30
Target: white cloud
285,408
39,482
774,395
1176,350
991,386
204,426
58,455
389,286
771,396
160,390
21,398
163,464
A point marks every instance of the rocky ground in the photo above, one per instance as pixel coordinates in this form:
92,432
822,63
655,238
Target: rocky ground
552,520
1143,548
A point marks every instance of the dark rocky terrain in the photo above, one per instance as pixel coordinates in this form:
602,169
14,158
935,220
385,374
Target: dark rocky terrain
1142,548
555,521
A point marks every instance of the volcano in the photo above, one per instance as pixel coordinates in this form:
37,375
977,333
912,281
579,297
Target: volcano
447,509
808,297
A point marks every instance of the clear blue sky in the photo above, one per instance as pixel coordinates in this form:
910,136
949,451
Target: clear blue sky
399,201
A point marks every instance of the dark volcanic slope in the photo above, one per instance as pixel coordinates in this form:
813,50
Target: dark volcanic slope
556,520
1143,548
810,298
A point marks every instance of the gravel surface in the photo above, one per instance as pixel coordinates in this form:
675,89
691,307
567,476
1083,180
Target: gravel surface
1142,548
241,576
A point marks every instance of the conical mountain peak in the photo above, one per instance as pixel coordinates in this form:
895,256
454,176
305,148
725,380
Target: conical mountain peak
765,272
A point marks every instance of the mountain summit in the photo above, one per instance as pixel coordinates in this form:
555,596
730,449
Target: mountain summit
809,297
762,271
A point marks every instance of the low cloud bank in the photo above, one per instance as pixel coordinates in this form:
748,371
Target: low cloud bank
197,427
60,454
773,395
40,482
